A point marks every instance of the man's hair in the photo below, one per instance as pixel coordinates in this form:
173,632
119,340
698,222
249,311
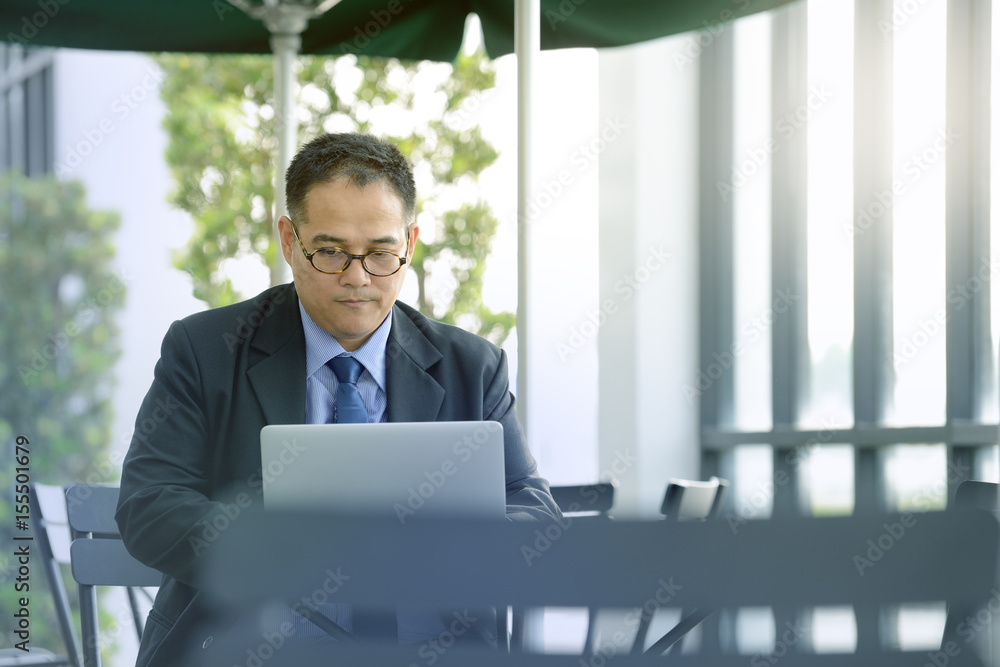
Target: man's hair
361,158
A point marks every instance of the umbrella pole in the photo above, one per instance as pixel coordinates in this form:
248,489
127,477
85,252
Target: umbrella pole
286,22
286,48
527,43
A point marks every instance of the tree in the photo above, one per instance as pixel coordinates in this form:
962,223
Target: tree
222,146
59,344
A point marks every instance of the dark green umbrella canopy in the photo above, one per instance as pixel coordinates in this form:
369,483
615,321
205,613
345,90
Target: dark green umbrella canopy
409,29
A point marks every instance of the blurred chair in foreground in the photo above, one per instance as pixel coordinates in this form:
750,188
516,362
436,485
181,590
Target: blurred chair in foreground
785,562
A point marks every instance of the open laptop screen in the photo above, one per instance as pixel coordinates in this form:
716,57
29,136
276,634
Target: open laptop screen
404,470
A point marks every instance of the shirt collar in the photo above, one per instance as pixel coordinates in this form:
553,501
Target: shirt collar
321,347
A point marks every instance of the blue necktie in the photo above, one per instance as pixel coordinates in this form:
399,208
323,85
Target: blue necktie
350,406
369,624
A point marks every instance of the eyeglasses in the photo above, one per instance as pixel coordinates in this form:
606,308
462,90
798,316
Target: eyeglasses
379,263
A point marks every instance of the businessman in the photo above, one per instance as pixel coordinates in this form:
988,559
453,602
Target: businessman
334,345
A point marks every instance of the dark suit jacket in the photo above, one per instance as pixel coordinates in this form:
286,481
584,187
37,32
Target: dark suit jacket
223,375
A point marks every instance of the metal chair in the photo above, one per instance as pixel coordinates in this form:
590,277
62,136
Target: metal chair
684,500
98,558
576,502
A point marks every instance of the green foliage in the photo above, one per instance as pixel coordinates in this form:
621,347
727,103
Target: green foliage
59,343
222,150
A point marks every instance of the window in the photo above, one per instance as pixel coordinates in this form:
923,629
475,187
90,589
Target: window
851,237
26,124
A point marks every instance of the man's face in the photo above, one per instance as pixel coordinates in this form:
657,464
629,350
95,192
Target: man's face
349,305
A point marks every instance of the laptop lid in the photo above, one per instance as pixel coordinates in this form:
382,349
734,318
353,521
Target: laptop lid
404,470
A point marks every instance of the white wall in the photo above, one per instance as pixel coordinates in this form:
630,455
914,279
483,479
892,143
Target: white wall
108,135
648,347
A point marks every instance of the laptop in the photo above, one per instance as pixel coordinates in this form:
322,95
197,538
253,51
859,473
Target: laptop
405,470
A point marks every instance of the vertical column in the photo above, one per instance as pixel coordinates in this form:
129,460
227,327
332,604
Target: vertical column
789,335
873,104
968,269
5,134
715,225
527,37
15,108
873,174
715,277
35,120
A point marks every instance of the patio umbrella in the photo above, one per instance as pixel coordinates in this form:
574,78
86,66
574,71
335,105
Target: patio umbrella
407,29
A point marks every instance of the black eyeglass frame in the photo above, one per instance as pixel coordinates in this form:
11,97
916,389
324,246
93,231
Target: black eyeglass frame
351,258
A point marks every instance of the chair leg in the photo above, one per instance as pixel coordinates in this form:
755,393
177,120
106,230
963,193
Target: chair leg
503,633
133,602
62,611
677,633
517,631
88,626
588,642
711,631
645,619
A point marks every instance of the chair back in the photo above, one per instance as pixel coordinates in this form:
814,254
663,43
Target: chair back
972,494
684,500
689,500
594,499
98,558
579,501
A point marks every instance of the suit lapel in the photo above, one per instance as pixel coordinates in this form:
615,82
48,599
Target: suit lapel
278,378
412,394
